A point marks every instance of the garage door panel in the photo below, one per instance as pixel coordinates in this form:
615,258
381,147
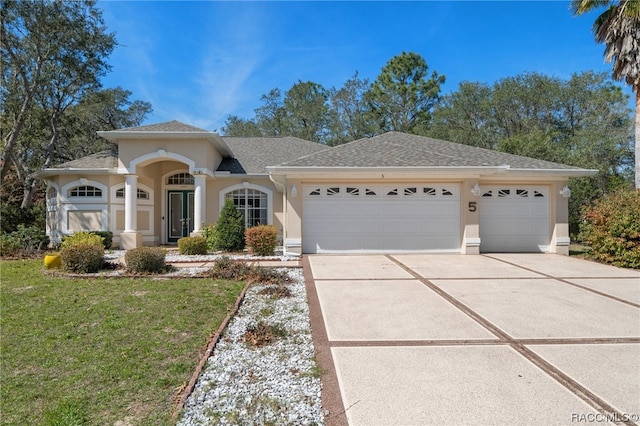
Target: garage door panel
398,218
514,219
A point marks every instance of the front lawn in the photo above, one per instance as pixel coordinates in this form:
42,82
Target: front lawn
101,351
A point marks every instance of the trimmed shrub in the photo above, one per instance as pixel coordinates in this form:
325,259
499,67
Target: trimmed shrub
209,234
145,260
192,245
611,227
107,238
82,238
229,235
262,240
82,258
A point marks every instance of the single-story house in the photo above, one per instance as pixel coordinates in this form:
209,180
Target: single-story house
394,192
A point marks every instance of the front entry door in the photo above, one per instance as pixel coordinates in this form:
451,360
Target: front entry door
180,215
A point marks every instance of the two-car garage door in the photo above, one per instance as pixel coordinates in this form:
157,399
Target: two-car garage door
381,218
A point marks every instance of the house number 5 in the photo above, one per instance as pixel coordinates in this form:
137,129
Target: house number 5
473,206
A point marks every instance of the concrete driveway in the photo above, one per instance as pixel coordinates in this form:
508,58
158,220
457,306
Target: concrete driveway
494,339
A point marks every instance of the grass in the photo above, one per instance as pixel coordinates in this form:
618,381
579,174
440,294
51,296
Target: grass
100,351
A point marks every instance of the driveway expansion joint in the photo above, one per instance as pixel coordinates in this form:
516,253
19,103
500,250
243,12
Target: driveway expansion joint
333,399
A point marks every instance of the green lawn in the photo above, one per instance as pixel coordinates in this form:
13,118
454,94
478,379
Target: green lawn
100,351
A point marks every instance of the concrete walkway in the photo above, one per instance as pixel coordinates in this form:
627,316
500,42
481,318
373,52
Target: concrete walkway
494,339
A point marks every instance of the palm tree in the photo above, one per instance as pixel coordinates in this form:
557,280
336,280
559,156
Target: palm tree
619,28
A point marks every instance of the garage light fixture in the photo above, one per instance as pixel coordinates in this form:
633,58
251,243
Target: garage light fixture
294,191
565,192
476,190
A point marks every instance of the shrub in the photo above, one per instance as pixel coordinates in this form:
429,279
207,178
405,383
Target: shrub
229,235
25,240
82,258
10,245
209,234
611,227
226,269
145,260
192,245
262,240
107,238
82,238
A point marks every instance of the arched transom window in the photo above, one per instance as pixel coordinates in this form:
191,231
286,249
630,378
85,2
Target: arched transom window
252,203
85,191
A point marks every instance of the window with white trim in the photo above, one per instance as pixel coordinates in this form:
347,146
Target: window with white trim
85,191
142,194
180,179
252,203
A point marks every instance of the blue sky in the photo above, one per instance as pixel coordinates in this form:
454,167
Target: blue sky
201,61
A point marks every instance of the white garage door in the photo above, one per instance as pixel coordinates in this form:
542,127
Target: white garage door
514,219
389,218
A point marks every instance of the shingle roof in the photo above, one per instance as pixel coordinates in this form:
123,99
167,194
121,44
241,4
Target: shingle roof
168,126
395,149
253,155
107,159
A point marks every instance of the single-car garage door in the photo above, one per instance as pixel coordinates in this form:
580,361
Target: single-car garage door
381,218
514,219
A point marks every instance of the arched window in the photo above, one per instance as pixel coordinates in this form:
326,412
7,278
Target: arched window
85,191
253,203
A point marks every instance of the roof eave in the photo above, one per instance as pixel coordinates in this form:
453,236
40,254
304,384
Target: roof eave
218,143
74,171
433,171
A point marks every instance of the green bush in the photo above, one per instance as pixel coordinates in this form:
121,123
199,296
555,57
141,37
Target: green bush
209,234
25,240
10,245
192,245
611,228
262,240
145,260
229,235
82,258
107,238
83,238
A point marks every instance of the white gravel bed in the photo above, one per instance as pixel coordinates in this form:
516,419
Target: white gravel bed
174,256
274,384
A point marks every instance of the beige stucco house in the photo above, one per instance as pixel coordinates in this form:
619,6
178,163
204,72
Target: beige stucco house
390,193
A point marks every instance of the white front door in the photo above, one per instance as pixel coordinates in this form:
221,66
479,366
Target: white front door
360,218
514,218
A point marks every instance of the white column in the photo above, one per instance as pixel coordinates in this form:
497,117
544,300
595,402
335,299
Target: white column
130,203
199,201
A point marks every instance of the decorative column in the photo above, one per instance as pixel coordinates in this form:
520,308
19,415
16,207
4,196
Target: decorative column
199,201
130,238
130,203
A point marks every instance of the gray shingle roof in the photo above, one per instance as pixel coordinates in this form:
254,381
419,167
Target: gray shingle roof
253,155
395,149
168,126
107,159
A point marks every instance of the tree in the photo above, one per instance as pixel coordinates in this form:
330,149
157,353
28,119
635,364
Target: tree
53,56
583,121
618,27
52,53
403,95
305,108
347,114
